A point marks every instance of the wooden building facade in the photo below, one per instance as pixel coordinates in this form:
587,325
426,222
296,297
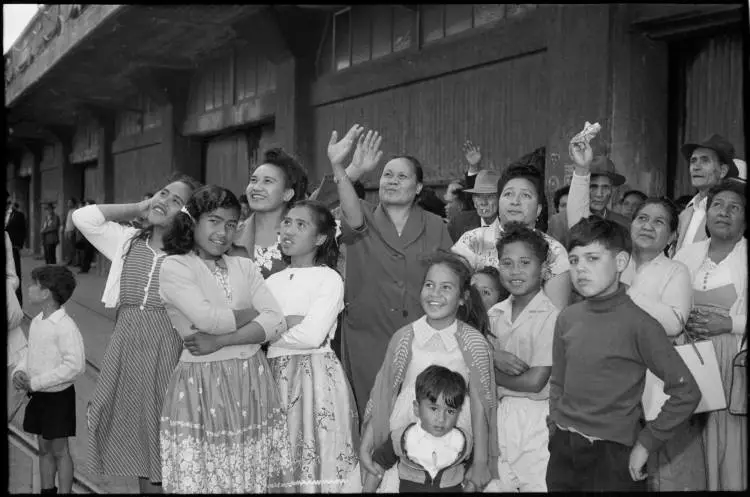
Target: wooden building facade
510,77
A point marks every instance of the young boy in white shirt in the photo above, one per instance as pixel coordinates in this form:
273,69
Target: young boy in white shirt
54,358
523,327
432,453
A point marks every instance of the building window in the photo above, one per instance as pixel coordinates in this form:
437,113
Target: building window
362,33
439,21
342,39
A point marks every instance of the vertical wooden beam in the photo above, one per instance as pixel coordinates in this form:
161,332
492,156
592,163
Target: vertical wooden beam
579,76
34,216
181,152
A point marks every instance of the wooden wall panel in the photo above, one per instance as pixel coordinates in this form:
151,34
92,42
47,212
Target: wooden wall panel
91,182
138,171
502,107
51,179
227,162
711,97
85,141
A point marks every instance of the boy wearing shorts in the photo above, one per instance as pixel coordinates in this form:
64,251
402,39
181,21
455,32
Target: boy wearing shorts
53,359
601,349
432,453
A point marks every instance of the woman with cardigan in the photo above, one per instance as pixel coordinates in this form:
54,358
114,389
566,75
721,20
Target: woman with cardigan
718,267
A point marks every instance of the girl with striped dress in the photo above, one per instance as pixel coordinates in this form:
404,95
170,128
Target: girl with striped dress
123,415
222,426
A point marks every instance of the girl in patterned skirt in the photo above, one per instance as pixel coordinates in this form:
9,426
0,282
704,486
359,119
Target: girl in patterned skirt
321,413
123,415
222,426
274,185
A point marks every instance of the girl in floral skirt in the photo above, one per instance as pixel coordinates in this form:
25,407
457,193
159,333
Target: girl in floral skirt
321,413
222,426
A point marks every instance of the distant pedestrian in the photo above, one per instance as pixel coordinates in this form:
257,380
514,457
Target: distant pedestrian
86,249
50,234
46,370
123,416
69,241
15,225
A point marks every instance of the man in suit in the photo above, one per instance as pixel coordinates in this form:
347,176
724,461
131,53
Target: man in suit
15,225
710,161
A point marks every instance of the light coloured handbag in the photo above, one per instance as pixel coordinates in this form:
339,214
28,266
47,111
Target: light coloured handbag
700,358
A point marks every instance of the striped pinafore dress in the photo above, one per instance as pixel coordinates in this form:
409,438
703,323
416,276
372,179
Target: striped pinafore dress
124,413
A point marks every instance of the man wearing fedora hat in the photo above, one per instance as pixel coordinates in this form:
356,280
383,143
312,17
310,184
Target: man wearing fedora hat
592,186
710,161
484,196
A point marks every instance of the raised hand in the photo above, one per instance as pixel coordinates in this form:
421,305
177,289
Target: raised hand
339,149
472,153
580,147
368,150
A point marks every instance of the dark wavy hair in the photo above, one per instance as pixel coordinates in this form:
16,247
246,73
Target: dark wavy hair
494,275
145,233
519,232
611,235
436,380
179,238
732,185
472,311
536,178
59,280
327,254
669,206
295,175
559,194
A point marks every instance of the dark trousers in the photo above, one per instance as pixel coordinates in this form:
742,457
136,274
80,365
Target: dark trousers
577,465
49,253
17,261
88,256
69,248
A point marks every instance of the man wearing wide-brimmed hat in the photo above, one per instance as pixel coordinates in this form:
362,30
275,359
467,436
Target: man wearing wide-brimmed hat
484,196
710,161
591,188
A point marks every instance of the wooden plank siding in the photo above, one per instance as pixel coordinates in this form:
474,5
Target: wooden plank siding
138,171
85,141
501,106
50,181
227,162
233,89
710,97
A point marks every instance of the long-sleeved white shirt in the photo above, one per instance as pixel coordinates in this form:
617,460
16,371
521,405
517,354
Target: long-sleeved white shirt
317,293
663,288
109,238
55,355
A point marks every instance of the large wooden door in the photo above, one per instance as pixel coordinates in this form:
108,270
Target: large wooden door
229,158
709,81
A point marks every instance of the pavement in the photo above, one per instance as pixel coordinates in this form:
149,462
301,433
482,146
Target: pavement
96,324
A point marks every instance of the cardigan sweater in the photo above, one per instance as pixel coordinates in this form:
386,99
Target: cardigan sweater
109,238
693,256
478,357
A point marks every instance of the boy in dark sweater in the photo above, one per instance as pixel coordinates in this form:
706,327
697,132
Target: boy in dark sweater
601,349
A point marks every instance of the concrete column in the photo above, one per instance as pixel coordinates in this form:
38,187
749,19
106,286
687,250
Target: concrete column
34,216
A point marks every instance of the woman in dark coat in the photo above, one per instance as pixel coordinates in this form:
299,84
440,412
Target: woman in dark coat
387,244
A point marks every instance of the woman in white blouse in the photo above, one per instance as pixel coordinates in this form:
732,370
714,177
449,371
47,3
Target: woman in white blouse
321,413
222,428
662,287
718,267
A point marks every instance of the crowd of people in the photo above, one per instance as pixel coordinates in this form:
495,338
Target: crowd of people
295,341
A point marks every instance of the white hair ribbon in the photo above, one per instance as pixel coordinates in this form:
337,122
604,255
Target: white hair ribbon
185,211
